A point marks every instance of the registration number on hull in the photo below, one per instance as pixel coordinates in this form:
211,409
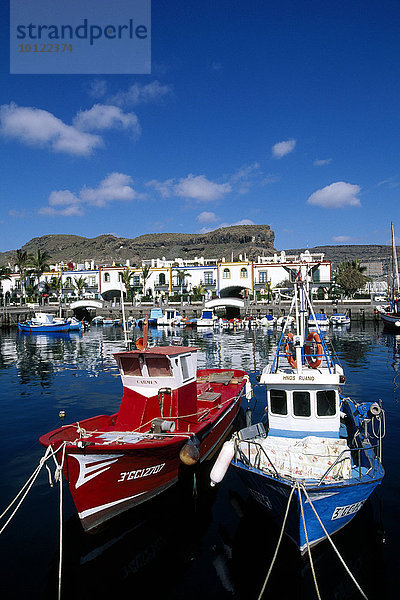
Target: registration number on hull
345,511
129,475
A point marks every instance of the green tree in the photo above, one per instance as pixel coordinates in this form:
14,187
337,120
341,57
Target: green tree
199,291
145,274
126,278
349,278
22,262
39,263
78,284
181,276
56,284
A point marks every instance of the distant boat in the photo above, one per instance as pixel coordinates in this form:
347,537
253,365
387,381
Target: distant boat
207,319
318,318
43,323
155,314
391,317
340,319
170,317
268,321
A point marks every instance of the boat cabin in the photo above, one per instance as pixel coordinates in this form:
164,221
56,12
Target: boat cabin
303,405
160,382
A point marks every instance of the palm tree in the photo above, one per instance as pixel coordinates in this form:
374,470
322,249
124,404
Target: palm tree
22,262
145,274
78,284
56,284
199,291
126,279
181,276
39,263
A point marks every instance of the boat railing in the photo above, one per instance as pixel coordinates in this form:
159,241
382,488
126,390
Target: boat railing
355,455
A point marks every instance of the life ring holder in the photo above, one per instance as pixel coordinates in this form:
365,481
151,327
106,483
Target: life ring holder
313,360
289,340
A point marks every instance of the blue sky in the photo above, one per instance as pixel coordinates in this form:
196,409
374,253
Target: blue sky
280,113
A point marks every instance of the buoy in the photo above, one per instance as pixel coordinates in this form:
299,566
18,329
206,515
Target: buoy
61,414
222,463
190,452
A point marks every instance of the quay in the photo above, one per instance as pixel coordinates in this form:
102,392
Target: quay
358,310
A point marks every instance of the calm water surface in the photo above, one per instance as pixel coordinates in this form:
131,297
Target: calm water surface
193,541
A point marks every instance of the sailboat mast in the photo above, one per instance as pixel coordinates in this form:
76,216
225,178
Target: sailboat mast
395,267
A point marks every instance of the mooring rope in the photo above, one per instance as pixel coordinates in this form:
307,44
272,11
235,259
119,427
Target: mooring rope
29,483
277,546
333,545
308,543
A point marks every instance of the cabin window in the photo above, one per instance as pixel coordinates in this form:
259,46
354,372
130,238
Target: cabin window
326,403
185,367
158,366
130,365
301,404
278,402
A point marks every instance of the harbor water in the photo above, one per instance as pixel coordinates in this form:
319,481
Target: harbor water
193,541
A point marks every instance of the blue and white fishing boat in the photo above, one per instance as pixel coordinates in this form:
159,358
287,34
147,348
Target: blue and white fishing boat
207,319
318,320
268,321
155,315
317,457
43,323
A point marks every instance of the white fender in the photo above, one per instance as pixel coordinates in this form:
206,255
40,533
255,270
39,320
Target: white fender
222,463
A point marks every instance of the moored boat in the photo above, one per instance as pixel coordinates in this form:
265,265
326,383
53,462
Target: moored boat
340,319
318,320
43,323
171,417
318,455
207,319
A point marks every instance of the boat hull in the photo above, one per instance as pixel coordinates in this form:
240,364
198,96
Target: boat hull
336,504
107,476
31,328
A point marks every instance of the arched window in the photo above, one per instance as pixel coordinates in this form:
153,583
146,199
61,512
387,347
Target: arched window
243,273
226,274
106,277
161,279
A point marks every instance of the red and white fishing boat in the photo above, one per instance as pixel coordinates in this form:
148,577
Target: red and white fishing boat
171,416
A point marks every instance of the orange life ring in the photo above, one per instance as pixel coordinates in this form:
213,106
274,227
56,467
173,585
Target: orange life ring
292,361
314,360
139,344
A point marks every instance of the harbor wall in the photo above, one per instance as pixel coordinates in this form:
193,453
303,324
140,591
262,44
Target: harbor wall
358,310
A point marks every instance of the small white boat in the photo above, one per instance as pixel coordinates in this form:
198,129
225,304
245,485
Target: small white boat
207,319
169,318
282,321
340,319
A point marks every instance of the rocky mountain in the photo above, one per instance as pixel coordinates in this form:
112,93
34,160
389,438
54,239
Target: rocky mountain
251,240
342,253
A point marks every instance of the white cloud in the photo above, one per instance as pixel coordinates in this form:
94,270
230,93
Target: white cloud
97,88
341,239
321,162
206,217
198,187
141,94
271,178
37,127
115,186
336,195
104,116
283,148
163,187
63,198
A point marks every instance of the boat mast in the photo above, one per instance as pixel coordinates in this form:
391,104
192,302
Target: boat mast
395,267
